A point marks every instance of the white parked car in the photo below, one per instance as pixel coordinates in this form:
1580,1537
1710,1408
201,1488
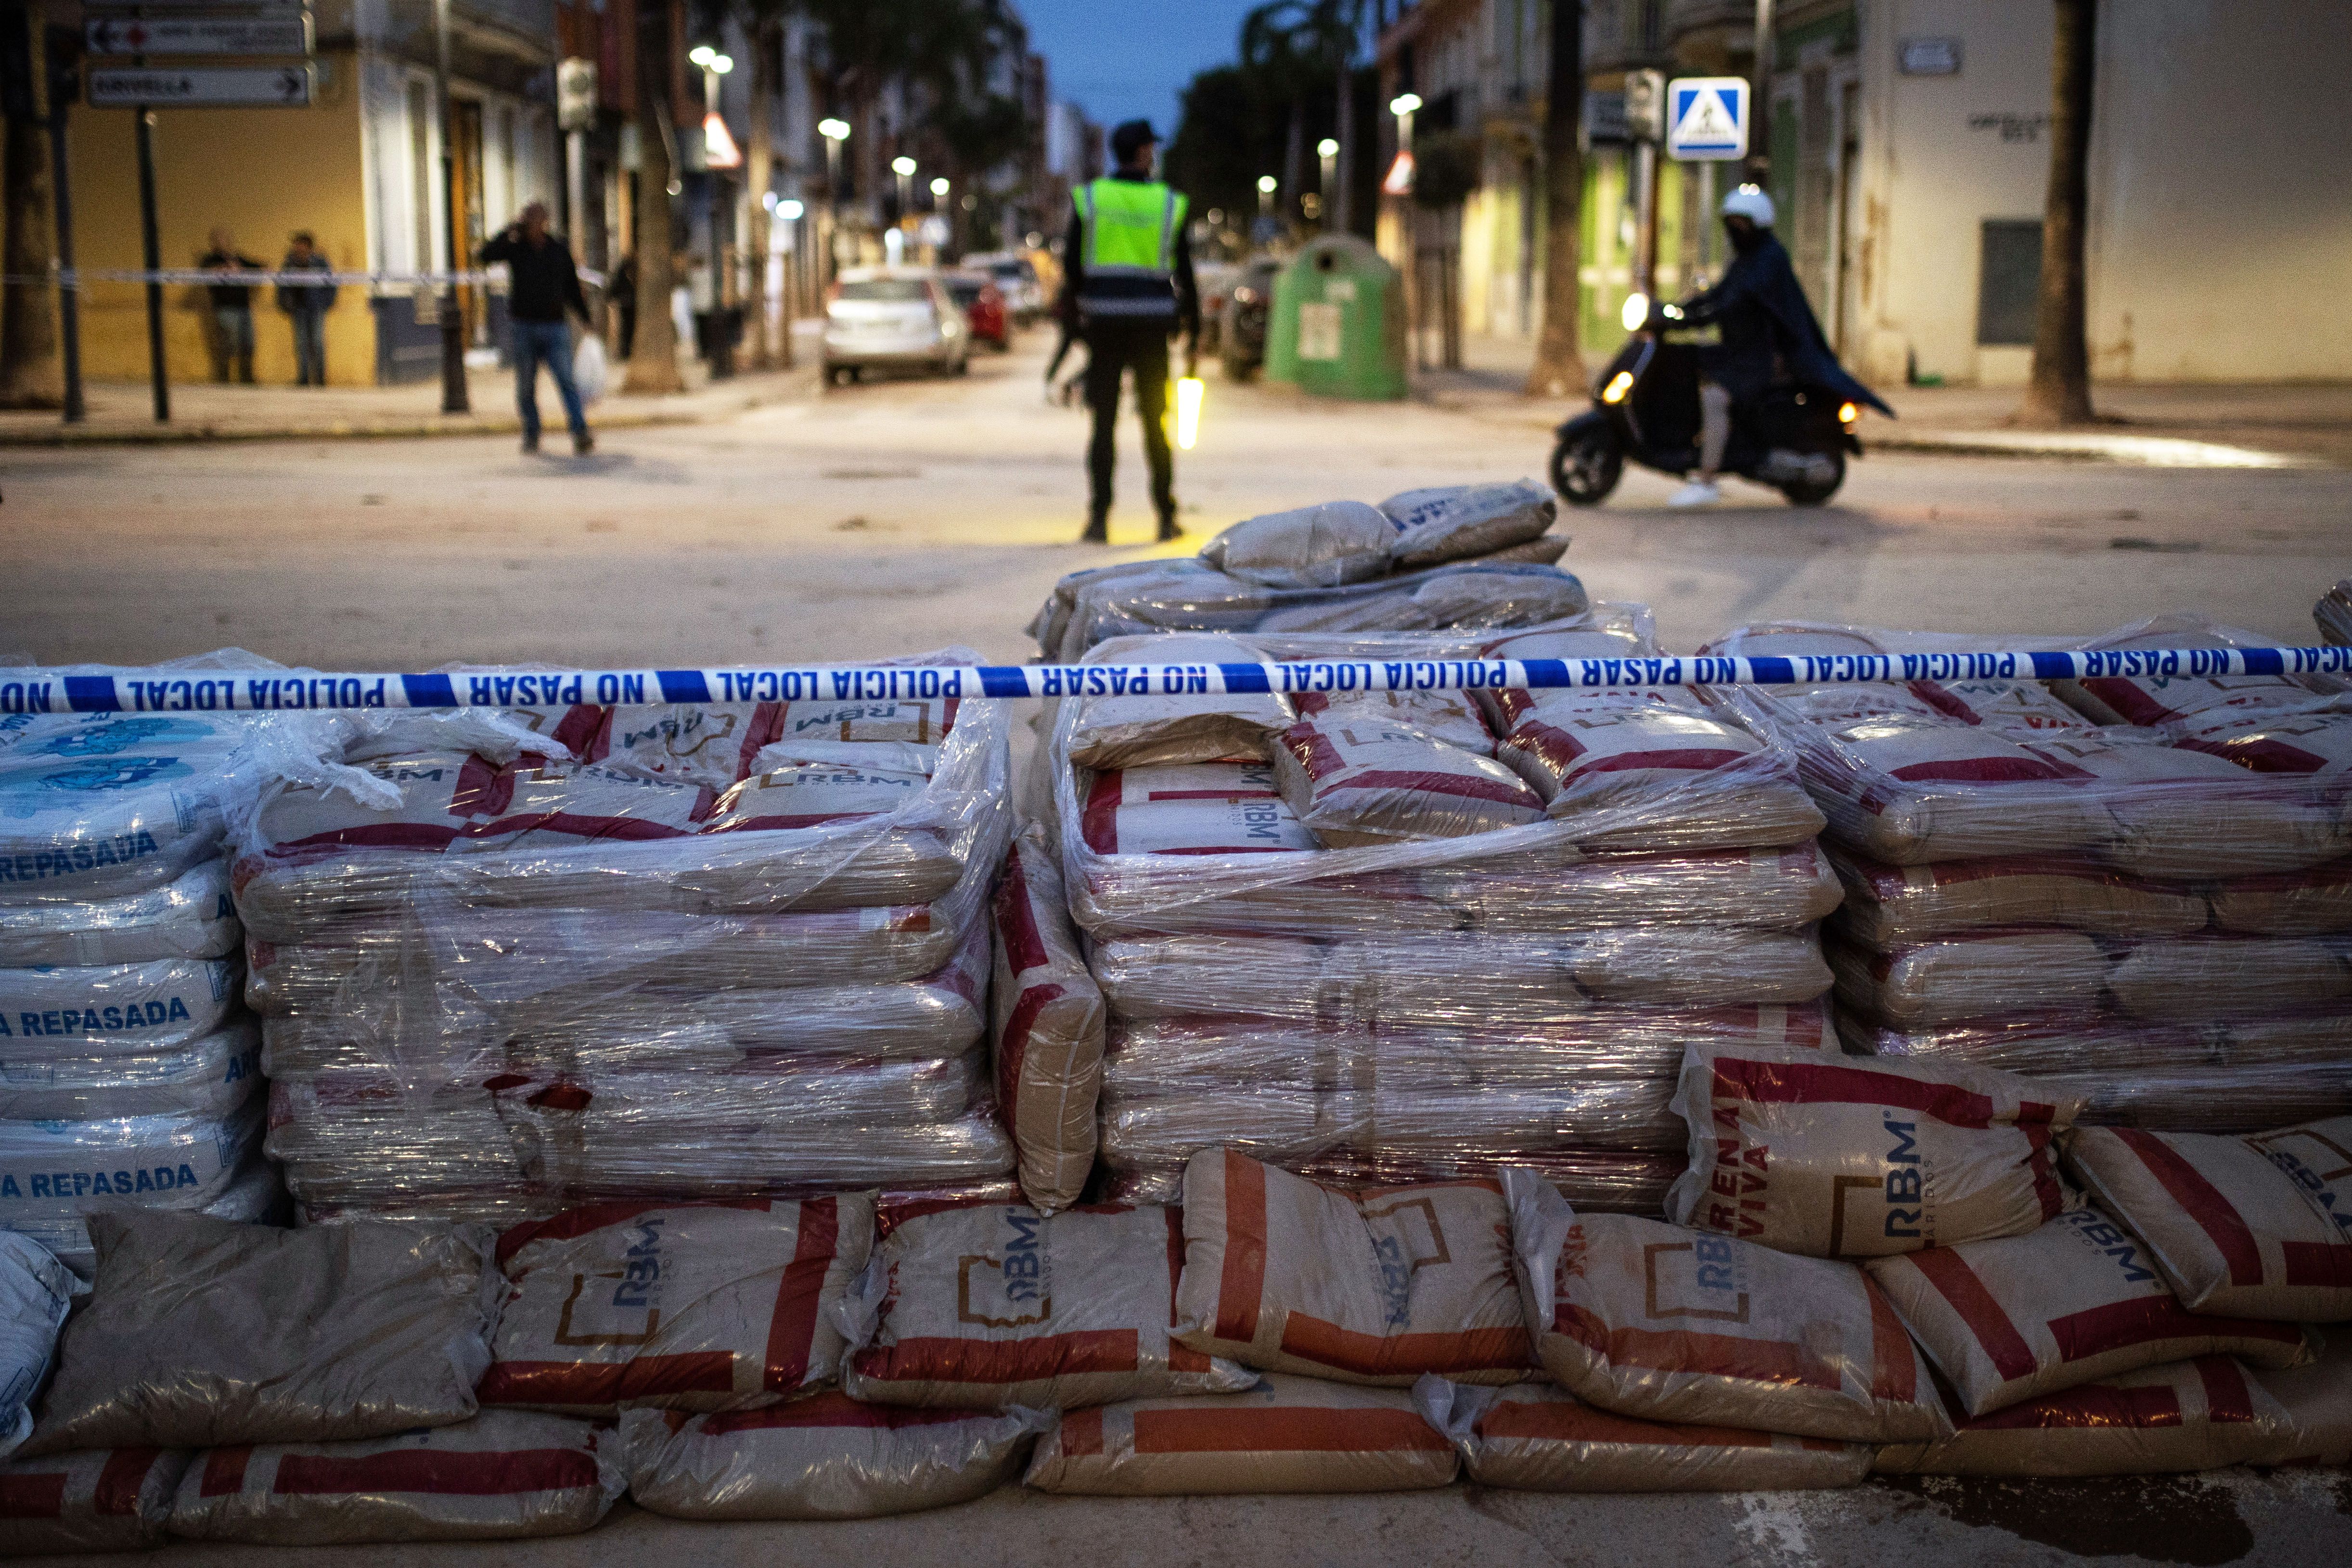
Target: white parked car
1016,279
893,316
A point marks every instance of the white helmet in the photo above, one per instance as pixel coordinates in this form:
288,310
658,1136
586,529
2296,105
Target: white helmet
1750,201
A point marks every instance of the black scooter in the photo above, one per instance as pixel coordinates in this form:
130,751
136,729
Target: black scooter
1794,440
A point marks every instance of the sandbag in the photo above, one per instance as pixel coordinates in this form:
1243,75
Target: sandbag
1886,906
2292,904
99,1500
190,917
1652,1320
2318,1403
2152,701
1982,974
986,1306
2076,1302
711,743
688,1306
1450,522
1375,1287
505,1475
2219,977
36,1290
2197,1415
254,1195
106,806
1134,730
1447,716
2311,745
1049,1020
1384,784
1906,789
1318,546
1840,1158
137,1006
2256,1227
50,1170
209,1076
825,1456
1534,1438
1286,1435
1203,808
202,1333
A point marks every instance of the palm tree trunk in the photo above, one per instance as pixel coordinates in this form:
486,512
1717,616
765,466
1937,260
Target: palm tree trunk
759,158
1294,162
1559,361
653,360
1339,204
2059,391
31,374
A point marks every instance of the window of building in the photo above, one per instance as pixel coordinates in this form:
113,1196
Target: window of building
2008,280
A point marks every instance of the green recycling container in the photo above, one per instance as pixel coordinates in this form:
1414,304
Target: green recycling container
1338,328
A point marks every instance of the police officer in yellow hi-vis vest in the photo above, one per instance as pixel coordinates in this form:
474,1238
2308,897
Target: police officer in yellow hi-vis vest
1128,289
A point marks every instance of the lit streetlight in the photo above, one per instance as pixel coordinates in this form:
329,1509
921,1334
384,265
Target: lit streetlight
939,187
835,132
1327,152
1401,106
719,152
1266,185
904,167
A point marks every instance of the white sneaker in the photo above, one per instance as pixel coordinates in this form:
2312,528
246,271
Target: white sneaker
1698,492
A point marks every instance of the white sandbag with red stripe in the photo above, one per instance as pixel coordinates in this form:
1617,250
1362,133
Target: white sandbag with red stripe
2077,1301
825,1456
2255,1226
92,1500
1377,1285
2199,1415
981,1306
1190,808
1848,1158
1049,1019
1654,1321
682,1306
2318,1403
2291,903
1448,716
1532,1436
505,1475
1123,728
1286,1435
1887,905
1377,782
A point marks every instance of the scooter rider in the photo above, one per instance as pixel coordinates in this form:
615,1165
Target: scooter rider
1766,330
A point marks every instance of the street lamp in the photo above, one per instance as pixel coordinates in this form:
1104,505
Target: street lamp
939,188
835,132
719,151
1401,106
1266,185
904,167
1327,152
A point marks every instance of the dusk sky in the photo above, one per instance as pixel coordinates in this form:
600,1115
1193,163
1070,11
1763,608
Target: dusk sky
1126,59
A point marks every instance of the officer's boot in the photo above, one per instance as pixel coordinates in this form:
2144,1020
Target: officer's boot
1168,528
1097,526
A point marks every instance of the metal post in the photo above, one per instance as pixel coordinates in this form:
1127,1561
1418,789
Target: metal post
68,288
1645,218
575,190
151,250
453,325
1760,108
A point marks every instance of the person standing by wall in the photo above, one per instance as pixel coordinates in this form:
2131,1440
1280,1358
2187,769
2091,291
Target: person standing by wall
542,289
232,309
1128,289
306,306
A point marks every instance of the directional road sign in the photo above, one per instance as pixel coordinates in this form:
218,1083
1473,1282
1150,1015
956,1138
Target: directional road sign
279,33
1706,118
270,87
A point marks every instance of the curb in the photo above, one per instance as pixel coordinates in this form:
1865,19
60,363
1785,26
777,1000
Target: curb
2090,447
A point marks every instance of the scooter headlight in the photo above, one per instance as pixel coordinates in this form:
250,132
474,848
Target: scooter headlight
1636,312
1848,414
1619,385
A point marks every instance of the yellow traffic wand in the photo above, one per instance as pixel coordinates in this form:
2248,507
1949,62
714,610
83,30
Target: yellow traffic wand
1188,411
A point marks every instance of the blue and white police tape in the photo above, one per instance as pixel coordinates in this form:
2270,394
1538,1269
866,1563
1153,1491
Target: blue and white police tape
30,690
298,278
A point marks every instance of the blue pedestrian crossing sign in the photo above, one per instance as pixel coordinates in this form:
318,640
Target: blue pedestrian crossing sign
1706,118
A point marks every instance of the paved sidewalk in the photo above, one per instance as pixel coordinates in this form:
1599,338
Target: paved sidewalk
121,412
2159,424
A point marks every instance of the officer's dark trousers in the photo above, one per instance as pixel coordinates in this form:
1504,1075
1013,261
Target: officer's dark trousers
1140,346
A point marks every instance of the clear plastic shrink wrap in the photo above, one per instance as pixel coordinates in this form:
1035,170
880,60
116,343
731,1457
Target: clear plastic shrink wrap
1048,1023
98,1500
518,961
35,1291
1382,951
2334,613
2057,879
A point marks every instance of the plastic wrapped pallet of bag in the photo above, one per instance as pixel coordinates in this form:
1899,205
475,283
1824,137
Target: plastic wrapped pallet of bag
1532,1436
2024,859
825,1456
686,951
1286,1435
1048,1043
2334,613
505,1475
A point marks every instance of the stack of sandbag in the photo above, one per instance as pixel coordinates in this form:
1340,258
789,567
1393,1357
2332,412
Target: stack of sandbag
2334,613
1388,935
2136,885
129,1072
1465,557
693,951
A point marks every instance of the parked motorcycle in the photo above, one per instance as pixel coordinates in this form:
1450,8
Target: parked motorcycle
1795,439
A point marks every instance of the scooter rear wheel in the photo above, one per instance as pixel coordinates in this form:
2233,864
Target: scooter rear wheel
1586,467
1808,492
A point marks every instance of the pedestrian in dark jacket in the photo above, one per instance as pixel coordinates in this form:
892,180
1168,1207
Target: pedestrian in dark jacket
542,289
1767,333
306,305
232,306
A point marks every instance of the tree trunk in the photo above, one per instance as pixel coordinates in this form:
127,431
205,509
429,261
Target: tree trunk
759,157
31,374
653,360
1336,203
2059,390
1294,163
1559,361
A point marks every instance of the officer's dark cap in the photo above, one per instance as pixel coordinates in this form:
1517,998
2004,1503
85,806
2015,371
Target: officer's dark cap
1131,138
